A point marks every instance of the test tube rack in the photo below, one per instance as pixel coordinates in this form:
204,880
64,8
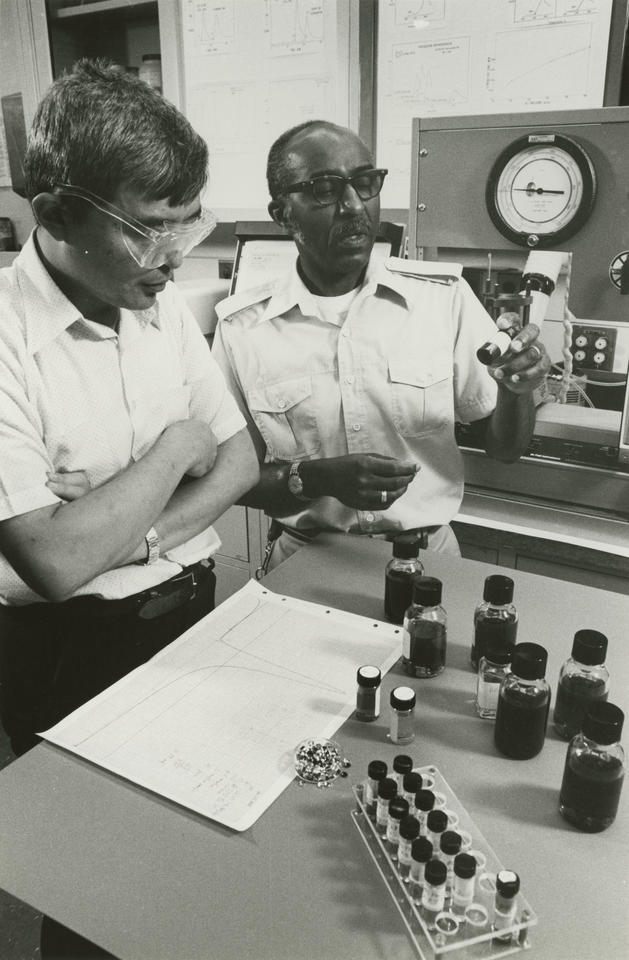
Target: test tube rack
432,944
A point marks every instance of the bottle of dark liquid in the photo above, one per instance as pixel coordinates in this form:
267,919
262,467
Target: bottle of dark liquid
583,679
523,703
398,576
595,769
497,605
425,630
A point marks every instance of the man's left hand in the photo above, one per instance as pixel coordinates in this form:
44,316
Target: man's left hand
526,363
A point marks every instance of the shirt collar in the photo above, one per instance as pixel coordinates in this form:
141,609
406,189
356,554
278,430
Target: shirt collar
291,291
49,312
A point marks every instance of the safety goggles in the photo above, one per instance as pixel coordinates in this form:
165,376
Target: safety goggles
330,188
149,247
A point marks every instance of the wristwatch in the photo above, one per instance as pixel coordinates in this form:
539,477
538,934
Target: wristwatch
152,547
295,484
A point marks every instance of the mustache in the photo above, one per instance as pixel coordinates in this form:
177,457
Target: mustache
357,225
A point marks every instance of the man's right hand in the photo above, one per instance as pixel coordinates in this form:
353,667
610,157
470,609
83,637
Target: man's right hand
196,445
359,479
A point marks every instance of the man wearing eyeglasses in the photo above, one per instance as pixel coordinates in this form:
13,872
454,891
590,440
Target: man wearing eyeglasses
351,372
119,441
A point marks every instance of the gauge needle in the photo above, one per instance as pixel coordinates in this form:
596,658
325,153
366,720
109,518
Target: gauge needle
536,190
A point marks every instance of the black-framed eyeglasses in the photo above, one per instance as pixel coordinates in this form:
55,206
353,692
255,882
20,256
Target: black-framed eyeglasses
330,187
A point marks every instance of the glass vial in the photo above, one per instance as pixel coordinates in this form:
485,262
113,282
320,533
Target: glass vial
368,693
376,771
421,854
497,605
151,70
424,802
398,809
402,764
436,823
433,891
425,630
402,725
583,679
409,831
594,770
398,576
387,790
507,887
464,874
449,846
523,703
411,783
492,669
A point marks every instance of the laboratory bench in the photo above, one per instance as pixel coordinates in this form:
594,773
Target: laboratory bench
149,880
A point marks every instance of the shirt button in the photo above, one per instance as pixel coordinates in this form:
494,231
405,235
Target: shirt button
281,403
350,379
355,427
370,517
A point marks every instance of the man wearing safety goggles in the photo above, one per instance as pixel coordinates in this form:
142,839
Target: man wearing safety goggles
119,441
351,370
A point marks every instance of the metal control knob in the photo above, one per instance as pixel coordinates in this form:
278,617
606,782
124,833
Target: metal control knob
579,355
581,341
599,358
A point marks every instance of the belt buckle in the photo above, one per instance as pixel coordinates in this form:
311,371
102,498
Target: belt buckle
184,588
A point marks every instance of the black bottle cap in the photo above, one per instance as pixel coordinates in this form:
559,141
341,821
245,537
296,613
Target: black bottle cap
424,800
436,872
409,827
412,782
368,676
603,722
377,770
464,865
529,661
402,698
589,647
421,850
427,591
406,547
498,589
398,808
450,842
437,821
507,884
402,763
387,788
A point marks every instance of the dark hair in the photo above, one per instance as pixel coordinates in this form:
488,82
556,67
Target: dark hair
99,127
278,170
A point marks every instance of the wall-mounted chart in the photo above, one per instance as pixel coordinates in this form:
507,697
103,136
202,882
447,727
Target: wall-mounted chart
454,57
252,69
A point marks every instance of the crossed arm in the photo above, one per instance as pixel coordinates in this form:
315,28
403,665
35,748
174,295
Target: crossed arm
58,548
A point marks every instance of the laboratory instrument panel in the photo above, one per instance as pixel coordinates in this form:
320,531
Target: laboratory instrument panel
531,186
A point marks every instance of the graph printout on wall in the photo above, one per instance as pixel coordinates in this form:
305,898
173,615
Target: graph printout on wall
466,57
252,69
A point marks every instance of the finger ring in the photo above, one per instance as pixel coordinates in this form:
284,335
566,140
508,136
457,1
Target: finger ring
383,496
538,352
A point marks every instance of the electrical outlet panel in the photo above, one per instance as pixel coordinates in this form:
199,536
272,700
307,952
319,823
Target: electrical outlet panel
593,347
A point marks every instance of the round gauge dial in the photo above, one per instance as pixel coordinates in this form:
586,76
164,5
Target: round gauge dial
541,190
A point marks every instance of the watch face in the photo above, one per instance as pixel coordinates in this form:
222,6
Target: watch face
541,190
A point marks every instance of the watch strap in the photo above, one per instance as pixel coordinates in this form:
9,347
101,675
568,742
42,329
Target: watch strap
295,483
152,546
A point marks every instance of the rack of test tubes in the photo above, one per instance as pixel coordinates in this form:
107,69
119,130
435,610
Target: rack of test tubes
473,927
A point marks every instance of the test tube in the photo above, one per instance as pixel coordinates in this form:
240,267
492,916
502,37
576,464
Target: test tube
376,771
387,790
398,808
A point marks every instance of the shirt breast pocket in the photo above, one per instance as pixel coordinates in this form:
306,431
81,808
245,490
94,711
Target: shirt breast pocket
285,416
421,396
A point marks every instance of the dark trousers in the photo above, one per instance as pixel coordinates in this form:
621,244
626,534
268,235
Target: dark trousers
56,656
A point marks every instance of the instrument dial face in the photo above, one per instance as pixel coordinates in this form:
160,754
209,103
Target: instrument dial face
541,192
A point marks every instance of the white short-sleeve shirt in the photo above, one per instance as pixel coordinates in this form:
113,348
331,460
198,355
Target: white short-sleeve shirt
391,377
77,395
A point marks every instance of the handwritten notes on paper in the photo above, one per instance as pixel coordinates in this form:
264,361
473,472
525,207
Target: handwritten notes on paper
212,721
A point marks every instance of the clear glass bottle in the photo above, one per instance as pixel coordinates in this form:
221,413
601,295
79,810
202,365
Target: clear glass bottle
368,693
409,831
425,630
424,803
421,854
523,704
449,846
402,724
436,823
464,875
433,891
151,70
398,809
505,905
497,605
492,669
411,783
402,764
376,771
398,576
594,771
583,679
387,790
